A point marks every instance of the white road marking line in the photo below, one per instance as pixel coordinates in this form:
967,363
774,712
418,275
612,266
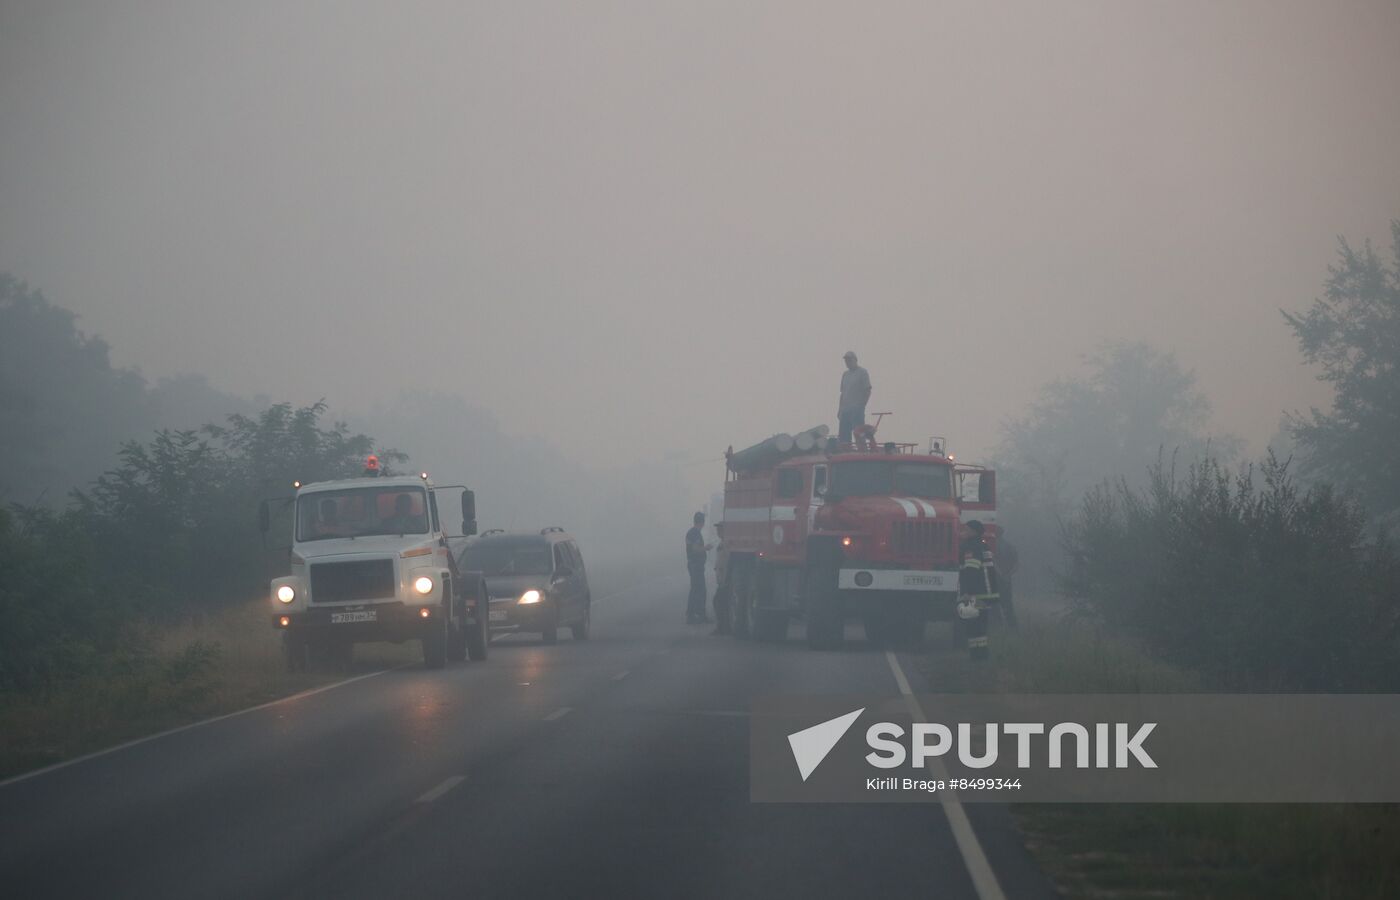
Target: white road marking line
559,713
984,880
447,785
621,675
155,737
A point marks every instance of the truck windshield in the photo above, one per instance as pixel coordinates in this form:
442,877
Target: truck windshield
870,478
521,559
356,512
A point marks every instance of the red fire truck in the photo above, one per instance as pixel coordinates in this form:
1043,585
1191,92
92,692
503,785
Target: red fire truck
825,531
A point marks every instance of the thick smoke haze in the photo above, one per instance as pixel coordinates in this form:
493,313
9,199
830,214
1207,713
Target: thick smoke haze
645,231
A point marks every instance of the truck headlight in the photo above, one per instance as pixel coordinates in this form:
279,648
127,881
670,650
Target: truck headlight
286,594
530,596
423,584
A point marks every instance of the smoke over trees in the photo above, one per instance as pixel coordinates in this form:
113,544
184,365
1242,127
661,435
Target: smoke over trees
1135,405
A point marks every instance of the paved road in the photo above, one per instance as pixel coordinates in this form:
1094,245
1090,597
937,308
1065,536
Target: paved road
616,767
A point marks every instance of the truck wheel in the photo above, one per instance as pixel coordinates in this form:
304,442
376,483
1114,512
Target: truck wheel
877,626
825,630
743,600
908,626
580,628
479,635
457,642
770,625
294,651
435,646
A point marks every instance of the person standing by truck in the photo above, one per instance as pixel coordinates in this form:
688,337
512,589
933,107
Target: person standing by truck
855,393
977,588
696,552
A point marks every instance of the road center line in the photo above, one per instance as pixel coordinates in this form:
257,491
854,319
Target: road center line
447,785
984,880
559,713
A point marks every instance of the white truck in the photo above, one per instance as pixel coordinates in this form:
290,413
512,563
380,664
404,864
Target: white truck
370,562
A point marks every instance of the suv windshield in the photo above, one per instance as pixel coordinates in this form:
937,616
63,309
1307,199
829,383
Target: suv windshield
356,512
508,559
870,478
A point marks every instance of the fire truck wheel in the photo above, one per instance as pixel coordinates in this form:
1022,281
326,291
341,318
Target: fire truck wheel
770,625
907,629
824,627
580,628
743,599
294,651
958,631
435,646
877,626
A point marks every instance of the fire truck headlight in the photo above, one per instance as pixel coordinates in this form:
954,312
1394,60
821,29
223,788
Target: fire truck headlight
530,597
423,584
286,594
846,541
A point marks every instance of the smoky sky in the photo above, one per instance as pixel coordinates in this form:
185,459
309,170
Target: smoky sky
650,229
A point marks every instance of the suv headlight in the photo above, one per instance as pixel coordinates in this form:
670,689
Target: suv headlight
286,593
530,596
423,584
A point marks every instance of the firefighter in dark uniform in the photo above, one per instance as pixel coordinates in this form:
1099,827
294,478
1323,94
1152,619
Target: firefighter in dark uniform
696,551
977,588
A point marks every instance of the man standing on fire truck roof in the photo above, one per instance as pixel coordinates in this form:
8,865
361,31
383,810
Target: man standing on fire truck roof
855,393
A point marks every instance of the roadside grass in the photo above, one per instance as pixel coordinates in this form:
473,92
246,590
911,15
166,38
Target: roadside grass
218,664
1172,850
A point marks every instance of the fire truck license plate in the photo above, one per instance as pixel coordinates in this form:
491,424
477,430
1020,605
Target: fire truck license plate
368,615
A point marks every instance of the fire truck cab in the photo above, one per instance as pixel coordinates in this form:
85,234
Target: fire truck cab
869,531
370,562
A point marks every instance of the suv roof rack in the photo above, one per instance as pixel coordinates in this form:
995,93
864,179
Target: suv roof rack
551,529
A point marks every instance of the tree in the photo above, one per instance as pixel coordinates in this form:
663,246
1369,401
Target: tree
1353,333
65,409
1136,406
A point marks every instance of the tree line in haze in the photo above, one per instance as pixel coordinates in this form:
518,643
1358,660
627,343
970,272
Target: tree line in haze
1276,574
123,503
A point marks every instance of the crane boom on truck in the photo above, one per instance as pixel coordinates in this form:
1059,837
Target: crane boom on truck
823,531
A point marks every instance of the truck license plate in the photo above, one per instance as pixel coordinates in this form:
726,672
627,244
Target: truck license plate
368,615
498,615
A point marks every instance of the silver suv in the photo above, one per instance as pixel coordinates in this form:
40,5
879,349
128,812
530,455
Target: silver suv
536,581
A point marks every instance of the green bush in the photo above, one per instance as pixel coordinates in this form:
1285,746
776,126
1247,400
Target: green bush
1246,578
170,532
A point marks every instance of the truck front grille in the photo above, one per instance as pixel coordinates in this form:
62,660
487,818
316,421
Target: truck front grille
336,582
925,540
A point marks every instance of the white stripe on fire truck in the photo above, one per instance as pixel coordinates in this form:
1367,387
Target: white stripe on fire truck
784,514
926,507
746,514
910,510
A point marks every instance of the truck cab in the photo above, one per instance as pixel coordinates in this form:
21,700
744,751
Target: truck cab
370,562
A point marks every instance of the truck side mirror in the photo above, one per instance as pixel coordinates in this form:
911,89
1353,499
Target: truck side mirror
264,517
468,513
